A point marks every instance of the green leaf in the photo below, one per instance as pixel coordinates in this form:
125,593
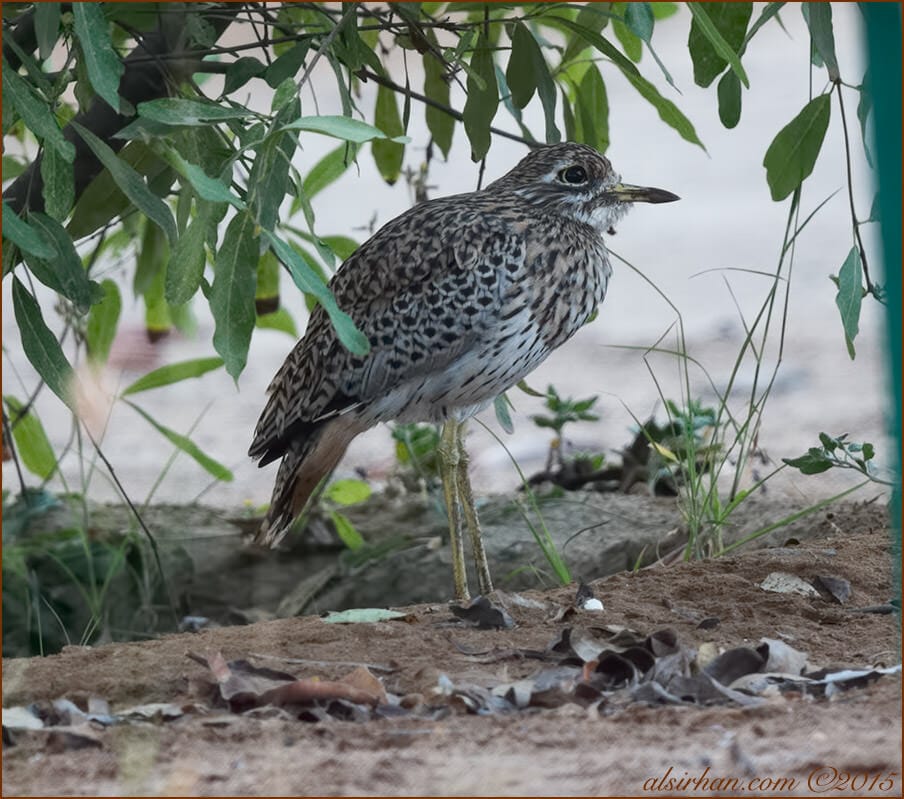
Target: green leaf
188,446
593,110
440,124
483,99
59,184
348,492
180,111
12,167
211,189
639,20
338,127
173,373
232,292
287,65
501,408
157,319
388,155
31,440
26,237
64,271
814,462
793,152
328,169
546,87
266,292
47,27
362,616
346,531
103,318
104,66
187,260
269,178
850,296
40,344
308,282
864,106
240,71
667,110
285,93
819,20
729,92
36,114
280,320
592,17
709,49
131,184
520,74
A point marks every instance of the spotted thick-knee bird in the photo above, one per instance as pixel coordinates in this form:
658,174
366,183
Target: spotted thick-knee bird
460,297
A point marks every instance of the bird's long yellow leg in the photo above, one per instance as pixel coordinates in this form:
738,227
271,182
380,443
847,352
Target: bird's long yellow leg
484,581
449,455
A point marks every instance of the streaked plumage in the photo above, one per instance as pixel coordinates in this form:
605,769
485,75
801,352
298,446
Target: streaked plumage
460,298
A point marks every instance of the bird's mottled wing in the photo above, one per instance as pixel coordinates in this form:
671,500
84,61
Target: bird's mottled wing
422,302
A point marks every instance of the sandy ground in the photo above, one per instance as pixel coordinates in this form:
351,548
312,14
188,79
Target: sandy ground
439,747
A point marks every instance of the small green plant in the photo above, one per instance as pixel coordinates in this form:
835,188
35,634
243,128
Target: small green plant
838,453
562,411
343,494
417,449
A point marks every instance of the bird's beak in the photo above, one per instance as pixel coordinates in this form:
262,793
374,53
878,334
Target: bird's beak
625,193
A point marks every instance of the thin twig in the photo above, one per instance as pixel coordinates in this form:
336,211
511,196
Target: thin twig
379,79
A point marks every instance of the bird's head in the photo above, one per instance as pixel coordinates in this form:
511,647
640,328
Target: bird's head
575,180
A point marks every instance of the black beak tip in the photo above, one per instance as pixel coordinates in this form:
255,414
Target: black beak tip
661,196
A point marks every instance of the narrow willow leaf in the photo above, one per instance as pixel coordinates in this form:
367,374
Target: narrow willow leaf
186,263
864,106
208,188
501,408
40,344
269,179
850,296
232,292
328,169
593,109
346,531
729,92
388,155
793,152
131,184
179,111
103,65
483,99
36,114
546,87
47,27
187,446
309,282
280,320
64,272
266,293
173,373
440,124
240,71
818,17
26,237
103,200
639,20
352,130
32,443
710,61
103,319
58,175
667,110
157,319
287,65
347,492
519,74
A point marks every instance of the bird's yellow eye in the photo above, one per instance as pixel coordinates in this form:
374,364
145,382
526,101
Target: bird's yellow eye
574,175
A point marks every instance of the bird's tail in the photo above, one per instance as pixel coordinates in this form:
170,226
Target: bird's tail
305,463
